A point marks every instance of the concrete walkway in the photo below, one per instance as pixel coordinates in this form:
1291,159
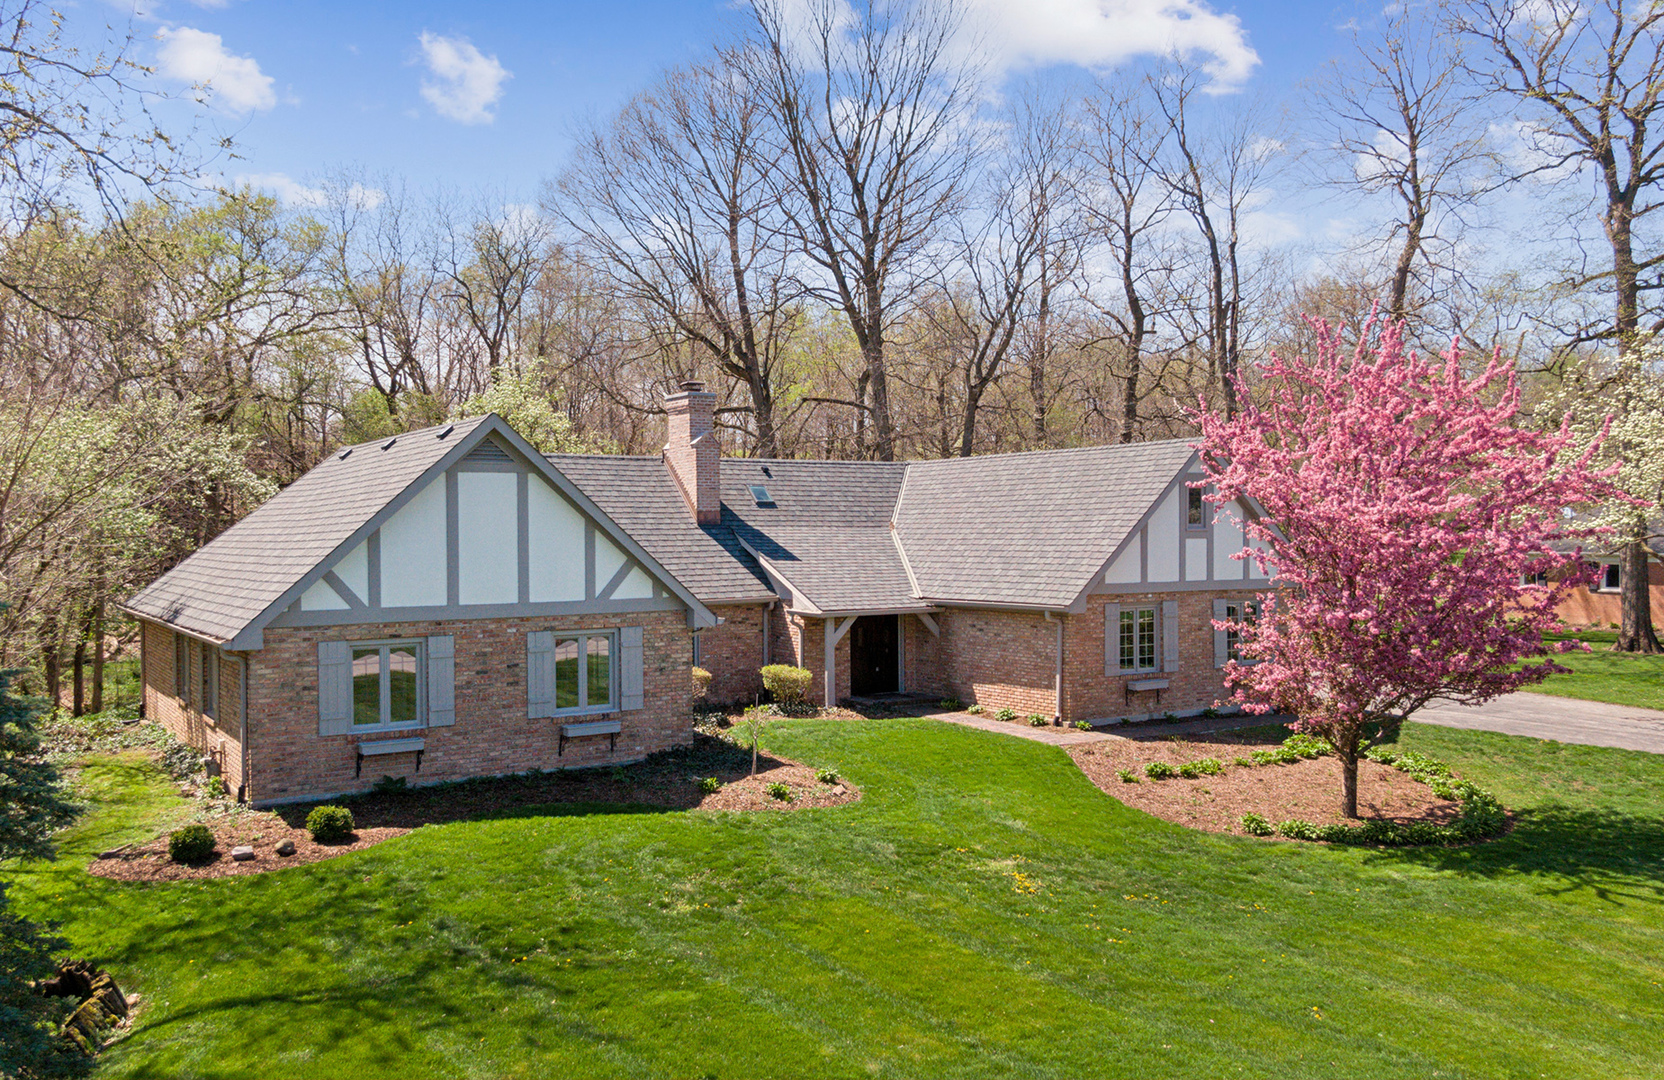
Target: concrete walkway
1567,720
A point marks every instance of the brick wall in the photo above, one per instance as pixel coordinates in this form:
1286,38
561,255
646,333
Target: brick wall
1089,694
801,641
179,709
922,653
998,659
492,735
1602,610
733,653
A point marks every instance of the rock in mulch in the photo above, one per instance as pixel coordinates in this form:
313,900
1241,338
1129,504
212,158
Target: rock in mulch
243,852
286,848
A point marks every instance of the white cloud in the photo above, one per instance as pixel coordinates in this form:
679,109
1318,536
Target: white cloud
235,83
467,82
291,192
1104,33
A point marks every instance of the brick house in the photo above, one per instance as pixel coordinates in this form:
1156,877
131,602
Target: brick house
451,603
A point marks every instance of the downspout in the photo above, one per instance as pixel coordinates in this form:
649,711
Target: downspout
242,731
768,607
1057,683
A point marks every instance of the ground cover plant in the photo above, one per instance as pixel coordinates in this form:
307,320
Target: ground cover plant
879,938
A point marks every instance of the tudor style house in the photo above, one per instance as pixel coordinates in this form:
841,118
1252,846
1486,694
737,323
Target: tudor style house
451,603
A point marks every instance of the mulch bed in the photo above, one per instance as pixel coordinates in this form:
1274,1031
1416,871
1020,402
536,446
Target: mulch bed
1308,790
669,780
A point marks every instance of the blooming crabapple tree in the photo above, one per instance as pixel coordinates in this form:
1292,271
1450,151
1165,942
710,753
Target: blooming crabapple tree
1402,511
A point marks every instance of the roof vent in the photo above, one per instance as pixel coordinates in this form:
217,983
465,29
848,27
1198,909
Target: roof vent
488,450
342,456
760,493
767,473
448,429
388,445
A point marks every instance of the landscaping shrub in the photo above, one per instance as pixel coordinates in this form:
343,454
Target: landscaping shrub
710,785
1160,770
1006,715
192,844
780,791
328,824
1127,776
952,704
787,684
974,709
1036,720
1207,766
1255,825
827,776
701,681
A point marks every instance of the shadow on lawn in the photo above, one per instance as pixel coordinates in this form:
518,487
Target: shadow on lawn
664,782
1615,856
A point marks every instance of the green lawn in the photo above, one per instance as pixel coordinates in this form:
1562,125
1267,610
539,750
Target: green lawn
982,911
1604,675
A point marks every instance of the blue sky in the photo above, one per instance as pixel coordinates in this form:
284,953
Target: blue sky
470,96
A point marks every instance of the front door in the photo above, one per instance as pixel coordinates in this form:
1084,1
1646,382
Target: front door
873,645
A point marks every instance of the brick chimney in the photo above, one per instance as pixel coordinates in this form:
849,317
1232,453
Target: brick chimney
692,453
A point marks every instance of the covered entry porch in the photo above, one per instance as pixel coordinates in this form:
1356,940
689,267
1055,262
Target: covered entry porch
877,651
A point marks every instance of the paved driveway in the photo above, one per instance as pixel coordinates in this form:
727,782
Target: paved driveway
1567,720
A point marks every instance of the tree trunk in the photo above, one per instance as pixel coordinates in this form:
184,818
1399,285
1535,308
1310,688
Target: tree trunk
1349,784
98,653
78,679
52,661
1636,634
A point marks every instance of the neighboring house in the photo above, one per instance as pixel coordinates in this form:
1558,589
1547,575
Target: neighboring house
450,603
1600,606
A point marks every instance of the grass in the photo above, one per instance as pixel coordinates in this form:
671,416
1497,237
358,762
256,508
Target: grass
983,911
1604,675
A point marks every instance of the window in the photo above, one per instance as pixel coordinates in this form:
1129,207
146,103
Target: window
210,698
1539,579
1238,612
1198,517
583,672
386,684
1611,577
760,494
181,668
1138,639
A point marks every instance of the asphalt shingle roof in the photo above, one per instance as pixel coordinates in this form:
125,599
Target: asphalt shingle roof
227,584
1030,528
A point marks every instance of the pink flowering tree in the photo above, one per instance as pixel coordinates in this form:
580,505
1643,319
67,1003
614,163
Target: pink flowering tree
1404,508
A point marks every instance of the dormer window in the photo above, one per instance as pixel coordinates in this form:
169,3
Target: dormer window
761,495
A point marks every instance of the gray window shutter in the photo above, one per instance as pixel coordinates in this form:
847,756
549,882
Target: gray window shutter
540,673
441,680
334,688
1169,635
1112,639
629,668
1221,642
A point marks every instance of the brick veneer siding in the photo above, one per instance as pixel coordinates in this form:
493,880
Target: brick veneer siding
998,659
290,761
922,654
178,709
1089,694
801,642
733,653
1598,609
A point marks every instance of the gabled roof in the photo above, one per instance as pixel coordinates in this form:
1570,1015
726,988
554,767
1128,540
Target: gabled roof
229,589
1029,529
833,570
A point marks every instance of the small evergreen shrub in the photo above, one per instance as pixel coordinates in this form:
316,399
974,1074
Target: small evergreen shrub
1207,766
1005,716
974,709
1255,825
710,785
1127,776
827,776
1036,720
787,684
1160,770
780,791
328,824
192,844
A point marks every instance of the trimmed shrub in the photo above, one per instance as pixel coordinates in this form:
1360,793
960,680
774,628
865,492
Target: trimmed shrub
328,824
787,683
701,681
710,785
1160,770
780,791
192,844
1005,716
1255,825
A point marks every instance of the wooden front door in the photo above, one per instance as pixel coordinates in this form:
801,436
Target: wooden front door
874,642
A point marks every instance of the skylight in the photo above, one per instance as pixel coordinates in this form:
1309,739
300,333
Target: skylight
760,493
